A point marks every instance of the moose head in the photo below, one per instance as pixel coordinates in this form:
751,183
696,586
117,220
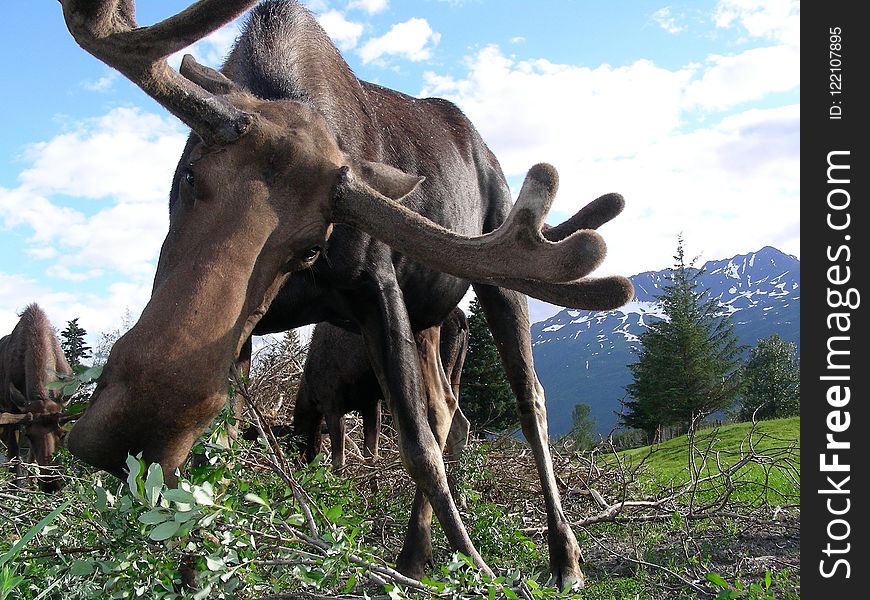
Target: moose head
44,433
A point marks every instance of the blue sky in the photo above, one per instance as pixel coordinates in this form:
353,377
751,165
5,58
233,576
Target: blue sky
689,109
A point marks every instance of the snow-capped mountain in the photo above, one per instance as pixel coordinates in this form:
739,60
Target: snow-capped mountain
582,356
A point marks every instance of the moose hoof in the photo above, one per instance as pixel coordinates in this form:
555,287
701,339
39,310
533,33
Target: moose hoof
568,580
565,559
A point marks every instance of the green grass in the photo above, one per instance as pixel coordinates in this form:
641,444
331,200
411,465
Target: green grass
774,479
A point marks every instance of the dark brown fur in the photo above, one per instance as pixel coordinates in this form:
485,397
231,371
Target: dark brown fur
29,358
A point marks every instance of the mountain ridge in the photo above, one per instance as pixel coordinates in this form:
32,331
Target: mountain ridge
583,356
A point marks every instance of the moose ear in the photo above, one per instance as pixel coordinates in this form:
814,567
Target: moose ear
207,78
18,399
389,181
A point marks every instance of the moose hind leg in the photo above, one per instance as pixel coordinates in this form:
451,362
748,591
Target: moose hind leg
507,316
336,425
371,415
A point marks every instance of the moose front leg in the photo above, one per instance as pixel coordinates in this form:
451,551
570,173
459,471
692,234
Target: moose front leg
441,407
507,316
393,354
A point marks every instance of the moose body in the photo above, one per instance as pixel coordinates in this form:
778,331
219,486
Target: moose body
306,195
30,358
338,379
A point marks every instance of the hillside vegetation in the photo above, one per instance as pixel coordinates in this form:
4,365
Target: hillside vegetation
251,524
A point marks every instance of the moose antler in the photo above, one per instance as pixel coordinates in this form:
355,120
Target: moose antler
519,254
107,29
40,418
15,418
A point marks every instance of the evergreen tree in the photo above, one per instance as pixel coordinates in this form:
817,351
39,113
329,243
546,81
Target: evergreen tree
582,433
73,343
771,380
486,397
689,363
281,359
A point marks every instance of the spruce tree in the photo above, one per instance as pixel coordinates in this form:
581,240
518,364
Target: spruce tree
582,434
772,387
485,394
73,343
689,363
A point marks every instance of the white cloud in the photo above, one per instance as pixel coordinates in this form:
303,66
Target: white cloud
370,6
664,19
412,39
24,207
93,203
124,239
727,81
101,84
546,110
16,292
730,187
124,155
97,313
344,33
777,20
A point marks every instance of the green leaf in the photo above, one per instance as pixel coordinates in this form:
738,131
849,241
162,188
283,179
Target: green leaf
207,520
767,580
215,563
716,580
102,499
203,593
134,470
81,568
153,483
107,566
351,583
255,499
55,385
91,374
180,496
79,369
185,515
333,513
71,388
296,520
164,531
203,496
154,516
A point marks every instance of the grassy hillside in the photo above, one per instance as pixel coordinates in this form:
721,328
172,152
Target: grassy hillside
722,447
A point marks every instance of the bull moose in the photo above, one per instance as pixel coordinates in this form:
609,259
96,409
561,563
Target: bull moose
304,195
30,358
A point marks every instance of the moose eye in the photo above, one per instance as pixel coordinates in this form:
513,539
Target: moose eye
188,177
311,253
